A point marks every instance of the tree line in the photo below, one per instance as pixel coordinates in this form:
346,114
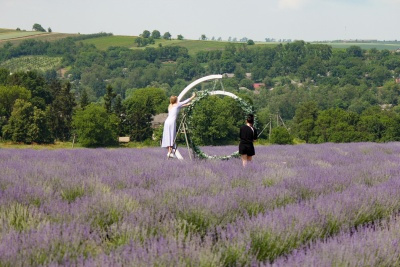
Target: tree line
338,81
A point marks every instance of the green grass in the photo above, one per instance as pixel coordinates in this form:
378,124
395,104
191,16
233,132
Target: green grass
26,63
16,37
194,46
103,43
10,34
56,145
367,46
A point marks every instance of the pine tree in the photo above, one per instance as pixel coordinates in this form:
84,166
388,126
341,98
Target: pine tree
84,99
108,98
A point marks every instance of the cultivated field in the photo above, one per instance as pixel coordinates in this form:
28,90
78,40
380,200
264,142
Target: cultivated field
10,34
16,37
193,46
27,63
305,205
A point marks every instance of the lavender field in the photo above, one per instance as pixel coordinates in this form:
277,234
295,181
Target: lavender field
305,205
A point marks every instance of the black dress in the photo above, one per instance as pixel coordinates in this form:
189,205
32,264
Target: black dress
247,136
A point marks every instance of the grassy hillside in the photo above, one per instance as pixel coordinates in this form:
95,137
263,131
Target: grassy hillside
379,46
192,45
16,37
31,63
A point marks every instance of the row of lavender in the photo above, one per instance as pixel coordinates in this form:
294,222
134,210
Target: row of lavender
134,207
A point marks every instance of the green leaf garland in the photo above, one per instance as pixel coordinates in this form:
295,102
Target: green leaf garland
188,113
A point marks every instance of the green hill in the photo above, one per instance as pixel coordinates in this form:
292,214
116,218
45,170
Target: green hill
103,43
193,46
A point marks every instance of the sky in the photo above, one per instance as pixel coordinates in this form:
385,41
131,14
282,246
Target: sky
308,20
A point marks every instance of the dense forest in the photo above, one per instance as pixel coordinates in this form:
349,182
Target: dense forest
321,94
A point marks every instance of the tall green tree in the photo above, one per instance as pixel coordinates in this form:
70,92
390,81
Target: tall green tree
17,128
137,120
95,126
167,36
109,98
84,99
304,120
8,96
38,27
145,34
27,124
156,34
61,110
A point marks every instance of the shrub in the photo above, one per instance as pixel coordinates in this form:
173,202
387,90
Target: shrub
95,127
281,136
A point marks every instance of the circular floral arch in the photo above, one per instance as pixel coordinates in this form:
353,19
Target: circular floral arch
188,112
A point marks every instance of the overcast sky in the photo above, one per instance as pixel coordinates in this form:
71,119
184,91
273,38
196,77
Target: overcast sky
309,20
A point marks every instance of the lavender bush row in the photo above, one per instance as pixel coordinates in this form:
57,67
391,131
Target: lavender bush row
276,233
374,245
132,200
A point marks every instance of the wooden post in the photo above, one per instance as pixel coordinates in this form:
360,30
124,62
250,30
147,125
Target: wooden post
270,127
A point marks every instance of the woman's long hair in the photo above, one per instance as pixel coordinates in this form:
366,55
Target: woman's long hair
173,99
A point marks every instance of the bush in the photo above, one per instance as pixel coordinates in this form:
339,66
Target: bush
95,127
281,136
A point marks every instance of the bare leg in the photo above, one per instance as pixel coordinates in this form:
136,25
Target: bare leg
169,151
249,158
244,160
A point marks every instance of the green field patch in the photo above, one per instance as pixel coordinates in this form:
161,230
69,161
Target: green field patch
366,46
103,43
27,63
5,35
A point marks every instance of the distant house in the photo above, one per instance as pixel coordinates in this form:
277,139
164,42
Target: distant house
158,120
385,106
229,75
258,85
398,50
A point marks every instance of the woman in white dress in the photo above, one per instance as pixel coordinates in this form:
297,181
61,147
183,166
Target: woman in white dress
169,132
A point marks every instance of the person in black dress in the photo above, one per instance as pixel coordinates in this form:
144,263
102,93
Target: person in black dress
247,136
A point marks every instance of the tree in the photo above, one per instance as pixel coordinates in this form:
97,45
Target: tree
167,36
38,27
247,83
27,124
95,127
49,30
137,120
281,136
180,37
109,98
216,120
60,111
8,96
145,34
84,99
250,42
158,98
304,120
336,125
19,123
156,34
40,131
203,37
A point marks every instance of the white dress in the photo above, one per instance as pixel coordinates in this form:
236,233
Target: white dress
169,132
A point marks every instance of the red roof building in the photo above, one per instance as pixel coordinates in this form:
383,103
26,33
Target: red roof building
258,85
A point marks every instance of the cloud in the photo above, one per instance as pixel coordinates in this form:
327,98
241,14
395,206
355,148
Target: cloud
291,4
